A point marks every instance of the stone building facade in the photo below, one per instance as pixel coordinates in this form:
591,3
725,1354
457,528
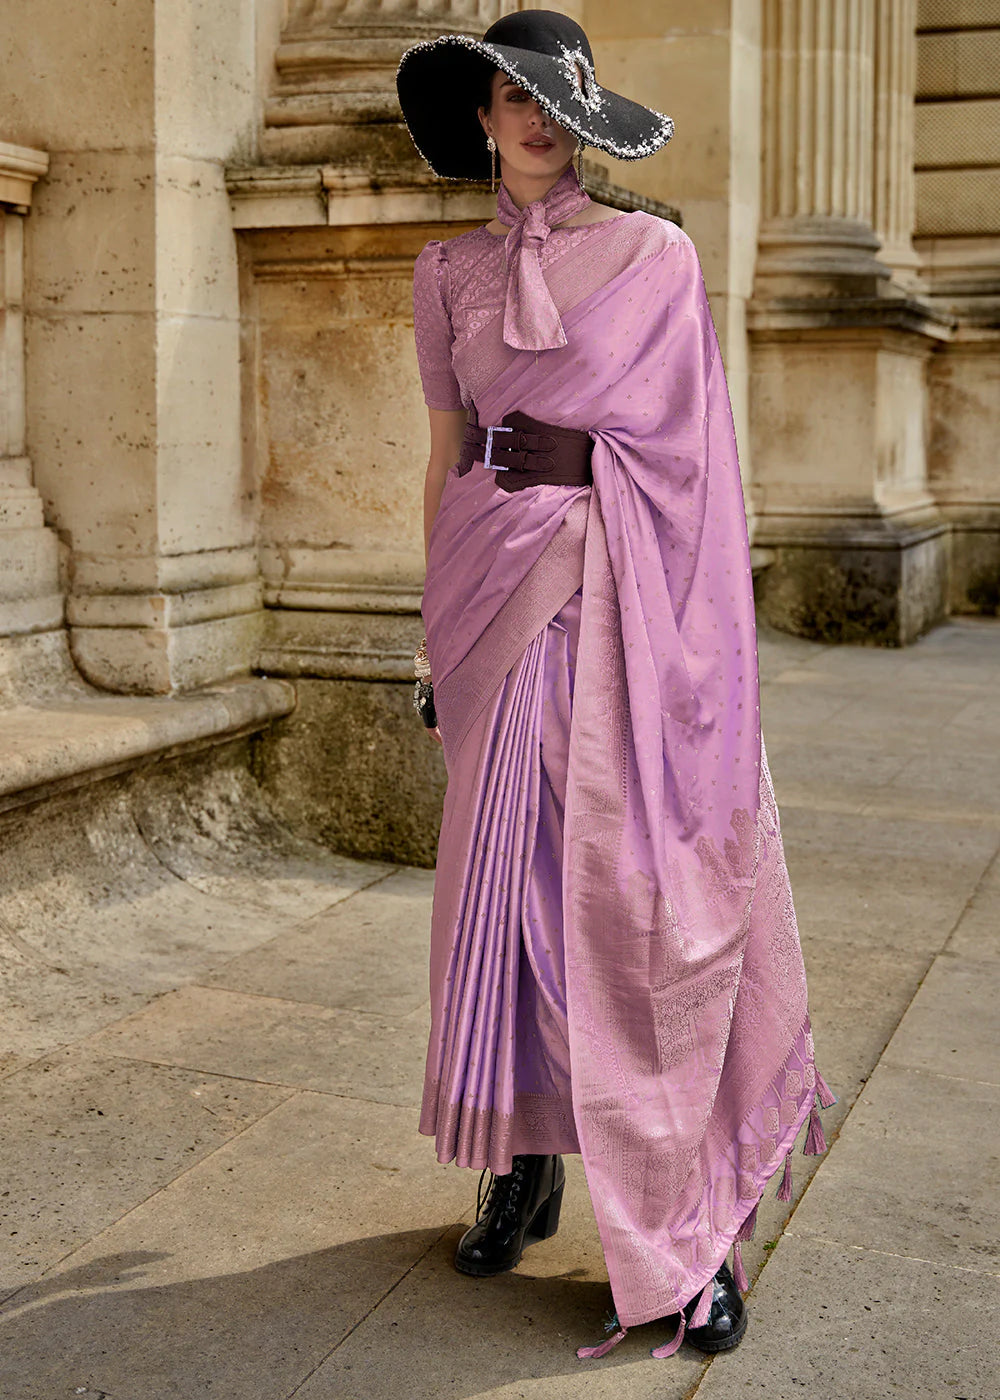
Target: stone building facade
212,436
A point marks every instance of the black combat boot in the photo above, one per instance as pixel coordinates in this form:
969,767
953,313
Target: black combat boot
727,1319
521,1208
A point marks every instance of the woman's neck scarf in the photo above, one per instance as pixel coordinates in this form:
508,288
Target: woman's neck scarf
531,321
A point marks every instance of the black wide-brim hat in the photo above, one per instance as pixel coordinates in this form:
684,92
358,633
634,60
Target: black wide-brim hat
441,83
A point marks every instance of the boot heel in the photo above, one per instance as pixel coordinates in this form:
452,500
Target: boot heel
546,1221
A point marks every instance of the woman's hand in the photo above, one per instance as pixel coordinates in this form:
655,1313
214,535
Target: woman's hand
435,734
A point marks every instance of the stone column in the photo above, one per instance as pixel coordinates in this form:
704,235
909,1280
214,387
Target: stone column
893,189
839,351
817,171
335,98
30,597
133,331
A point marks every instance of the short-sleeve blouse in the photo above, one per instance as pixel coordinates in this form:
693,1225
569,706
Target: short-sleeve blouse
432,328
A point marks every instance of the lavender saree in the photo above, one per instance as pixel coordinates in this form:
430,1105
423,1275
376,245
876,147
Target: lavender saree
615,961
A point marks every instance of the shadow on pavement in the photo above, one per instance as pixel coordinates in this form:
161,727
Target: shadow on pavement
292,1326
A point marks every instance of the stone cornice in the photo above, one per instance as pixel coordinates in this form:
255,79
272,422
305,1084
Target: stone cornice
779,317
323,194
20,167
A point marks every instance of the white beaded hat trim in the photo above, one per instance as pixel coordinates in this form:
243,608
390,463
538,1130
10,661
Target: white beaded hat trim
591,97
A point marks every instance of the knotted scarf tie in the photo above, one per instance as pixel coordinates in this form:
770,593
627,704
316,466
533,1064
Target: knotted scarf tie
531,320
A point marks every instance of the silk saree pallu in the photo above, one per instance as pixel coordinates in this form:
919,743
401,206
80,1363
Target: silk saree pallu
611,880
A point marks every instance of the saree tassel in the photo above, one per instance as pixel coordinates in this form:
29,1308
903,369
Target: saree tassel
827,1098
785,1189
739,1273
698,1319
602,1348
745,1232
701,1313
673,1346
815,1142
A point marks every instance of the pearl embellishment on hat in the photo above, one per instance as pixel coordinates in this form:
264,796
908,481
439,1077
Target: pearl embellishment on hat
590,93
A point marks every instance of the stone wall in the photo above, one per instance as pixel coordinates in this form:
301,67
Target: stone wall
957,226
133,330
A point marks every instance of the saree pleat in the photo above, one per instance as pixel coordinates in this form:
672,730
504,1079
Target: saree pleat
615,911
478,1066
543,1098
479,1049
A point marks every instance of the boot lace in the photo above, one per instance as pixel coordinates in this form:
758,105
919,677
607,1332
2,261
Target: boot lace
502,1192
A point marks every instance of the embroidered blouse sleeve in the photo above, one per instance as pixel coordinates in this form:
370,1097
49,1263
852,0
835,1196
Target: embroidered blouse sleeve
432,328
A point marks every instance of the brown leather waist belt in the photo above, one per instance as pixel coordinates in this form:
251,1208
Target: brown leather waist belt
525,452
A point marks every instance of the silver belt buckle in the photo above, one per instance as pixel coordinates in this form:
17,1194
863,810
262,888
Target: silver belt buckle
489,448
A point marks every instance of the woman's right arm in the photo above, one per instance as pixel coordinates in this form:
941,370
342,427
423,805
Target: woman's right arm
442,393
447,432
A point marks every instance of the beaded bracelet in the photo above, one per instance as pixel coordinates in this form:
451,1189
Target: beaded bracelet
423,691
421,664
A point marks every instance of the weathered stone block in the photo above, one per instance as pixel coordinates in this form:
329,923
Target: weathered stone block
204,498
958,134
974,575
28,563
839,589
92,244
344,429
196,270
92,399
205,80
78,75
955,202
371,645
958,64
162,660
354,768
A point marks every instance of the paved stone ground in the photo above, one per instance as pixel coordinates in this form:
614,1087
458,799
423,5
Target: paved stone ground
216,1188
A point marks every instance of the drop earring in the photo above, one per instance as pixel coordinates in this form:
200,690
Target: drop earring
491,146
579,163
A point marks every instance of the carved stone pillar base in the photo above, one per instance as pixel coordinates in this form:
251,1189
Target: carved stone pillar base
156,626
860,550
164,660
819,255
349,146
841,346
873,579
30,598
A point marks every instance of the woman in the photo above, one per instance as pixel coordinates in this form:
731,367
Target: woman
615,962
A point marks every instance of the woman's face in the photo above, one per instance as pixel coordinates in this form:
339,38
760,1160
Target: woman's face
515,121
